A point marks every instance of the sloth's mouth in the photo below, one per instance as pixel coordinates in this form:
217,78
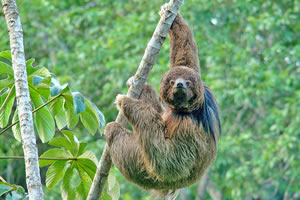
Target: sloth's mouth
180,94
180,98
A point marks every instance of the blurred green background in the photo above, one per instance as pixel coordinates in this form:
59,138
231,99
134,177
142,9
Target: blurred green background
250,57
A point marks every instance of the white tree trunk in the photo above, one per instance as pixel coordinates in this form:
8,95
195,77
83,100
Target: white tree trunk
140,78
33,180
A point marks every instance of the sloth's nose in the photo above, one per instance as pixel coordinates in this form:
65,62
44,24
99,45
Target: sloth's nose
179,85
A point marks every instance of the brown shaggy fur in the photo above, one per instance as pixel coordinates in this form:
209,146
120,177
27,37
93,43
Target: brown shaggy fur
168,149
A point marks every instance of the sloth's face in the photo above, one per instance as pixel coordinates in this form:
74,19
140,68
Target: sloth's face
180,88
180,92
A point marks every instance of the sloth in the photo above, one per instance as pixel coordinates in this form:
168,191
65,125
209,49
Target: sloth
170,146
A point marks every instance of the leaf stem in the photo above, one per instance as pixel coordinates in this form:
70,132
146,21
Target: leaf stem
46,103
32,112
9,127
40,158
6,99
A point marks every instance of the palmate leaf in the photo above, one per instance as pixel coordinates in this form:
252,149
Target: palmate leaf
55,153
55,173
6,111
43,119
85,166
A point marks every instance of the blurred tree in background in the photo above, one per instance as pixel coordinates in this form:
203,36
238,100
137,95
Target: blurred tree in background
250,57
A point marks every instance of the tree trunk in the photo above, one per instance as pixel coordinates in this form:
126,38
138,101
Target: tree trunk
140,78
33,179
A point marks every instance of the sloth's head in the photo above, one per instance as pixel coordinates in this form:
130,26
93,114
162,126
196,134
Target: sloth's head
181,89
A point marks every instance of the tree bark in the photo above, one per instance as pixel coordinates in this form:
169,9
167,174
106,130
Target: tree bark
140,78
33,179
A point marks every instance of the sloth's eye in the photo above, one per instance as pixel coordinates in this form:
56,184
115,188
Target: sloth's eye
172,82
188,83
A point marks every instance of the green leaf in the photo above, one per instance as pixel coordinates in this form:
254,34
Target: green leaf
101,117
105,196
79,104
113,186
29,63
70,136
62,142
55,153
55,87
8,82
16,128
111,180
90,118
55,173
36,71
41,85
84,186
6,69
67,191
43,119
16,195
114,192
6,54
17,192
37,80
72,118
81,147
87,165
5,187
89,155
6,111
58,111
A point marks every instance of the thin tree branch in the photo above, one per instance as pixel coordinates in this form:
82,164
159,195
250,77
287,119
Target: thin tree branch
9,127
33,179
38,108
140,78
40,158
